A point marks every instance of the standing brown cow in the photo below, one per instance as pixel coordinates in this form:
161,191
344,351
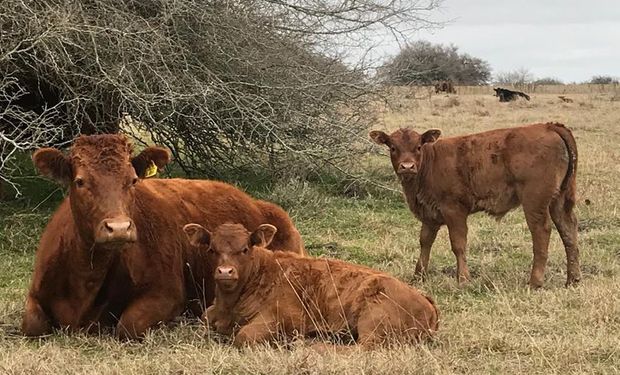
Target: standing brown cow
114,251
271,294
446,180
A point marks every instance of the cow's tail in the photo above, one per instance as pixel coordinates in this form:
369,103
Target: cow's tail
569,184
526,96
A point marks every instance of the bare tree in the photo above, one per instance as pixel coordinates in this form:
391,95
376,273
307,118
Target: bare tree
424,63
518,77
223,83
603,80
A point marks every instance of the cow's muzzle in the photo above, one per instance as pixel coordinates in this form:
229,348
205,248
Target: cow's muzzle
407,168
226,277
116,230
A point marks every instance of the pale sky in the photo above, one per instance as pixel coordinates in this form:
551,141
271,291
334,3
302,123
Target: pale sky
568,39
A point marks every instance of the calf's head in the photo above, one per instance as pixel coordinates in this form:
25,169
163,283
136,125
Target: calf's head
232,247
101,175
405,148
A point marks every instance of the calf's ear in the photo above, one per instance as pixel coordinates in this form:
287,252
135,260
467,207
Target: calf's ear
379,137
157,155
431,135
52,163
263,235
197,234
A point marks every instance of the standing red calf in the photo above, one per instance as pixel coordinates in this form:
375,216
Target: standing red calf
446,180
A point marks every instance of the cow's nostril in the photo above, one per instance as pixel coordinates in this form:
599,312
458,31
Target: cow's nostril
108,227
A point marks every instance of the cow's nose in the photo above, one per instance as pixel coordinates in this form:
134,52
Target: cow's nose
117,226
116,230
225,271
407,167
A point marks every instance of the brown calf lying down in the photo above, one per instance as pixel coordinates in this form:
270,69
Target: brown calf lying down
276,294
114,251
446,180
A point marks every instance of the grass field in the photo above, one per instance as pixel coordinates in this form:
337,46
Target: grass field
493,325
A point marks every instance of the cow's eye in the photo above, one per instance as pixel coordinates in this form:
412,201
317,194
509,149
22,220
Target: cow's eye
210,250
79,182
419,148
246,249
392,149
134,181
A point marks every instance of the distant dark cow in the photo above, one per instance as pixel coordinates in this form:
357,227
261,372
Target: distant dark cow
445,86
506,95
446,180
114,251
275,294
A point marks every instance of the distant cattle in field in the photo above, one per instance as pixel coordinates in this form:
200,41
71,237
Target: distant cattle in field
262,295
445,86
565,99
506,95
446,180
114,252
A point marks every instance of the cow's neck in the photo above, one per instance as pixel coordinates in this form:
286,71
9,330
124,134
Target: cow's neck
419,198
90,261
247,301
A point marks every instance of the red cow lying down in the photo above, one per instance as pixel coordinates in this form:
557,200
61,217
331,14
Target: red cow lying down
114,251
268,294
446,180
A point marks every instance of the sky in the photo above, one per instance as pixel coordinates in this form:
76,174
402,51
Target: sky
567,39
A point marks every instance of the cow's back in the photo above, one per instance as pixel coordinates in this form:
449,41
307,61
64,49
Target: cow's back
484,170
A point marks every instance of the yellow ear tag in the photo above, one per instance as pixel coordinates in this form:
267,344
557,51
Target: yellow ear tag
151,170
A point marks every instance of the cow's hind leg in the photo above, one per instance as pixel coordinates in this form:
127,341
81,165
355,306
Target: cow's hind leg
539,223
566,222
428,233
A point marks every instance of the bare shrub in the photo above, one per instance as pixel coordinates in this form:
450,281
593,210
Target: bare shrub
224,84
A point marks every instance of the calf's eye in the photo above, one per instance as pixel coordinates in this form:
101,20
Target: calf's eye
245,250
392,149
134,181
79,182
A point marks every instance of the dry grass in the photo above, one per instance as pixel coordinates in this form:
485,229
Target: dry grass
493,325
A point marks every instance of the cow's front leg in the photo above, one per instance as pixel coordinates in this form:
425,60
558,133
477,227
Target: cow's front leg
218,320
145,312
258,330
35,321
456,220
428,233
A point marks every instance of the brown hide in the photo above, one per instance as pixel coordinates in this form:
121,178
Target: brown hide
79,283
266,295
496,171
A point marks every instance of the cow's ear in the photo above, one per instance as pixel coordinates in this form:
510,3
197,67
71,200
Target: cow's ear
430,135
143,162
197,234
263,235
379,137
52,163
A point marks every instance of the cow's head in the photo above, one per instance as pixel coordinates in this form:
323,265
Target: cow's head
101,175
405,148
232,247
